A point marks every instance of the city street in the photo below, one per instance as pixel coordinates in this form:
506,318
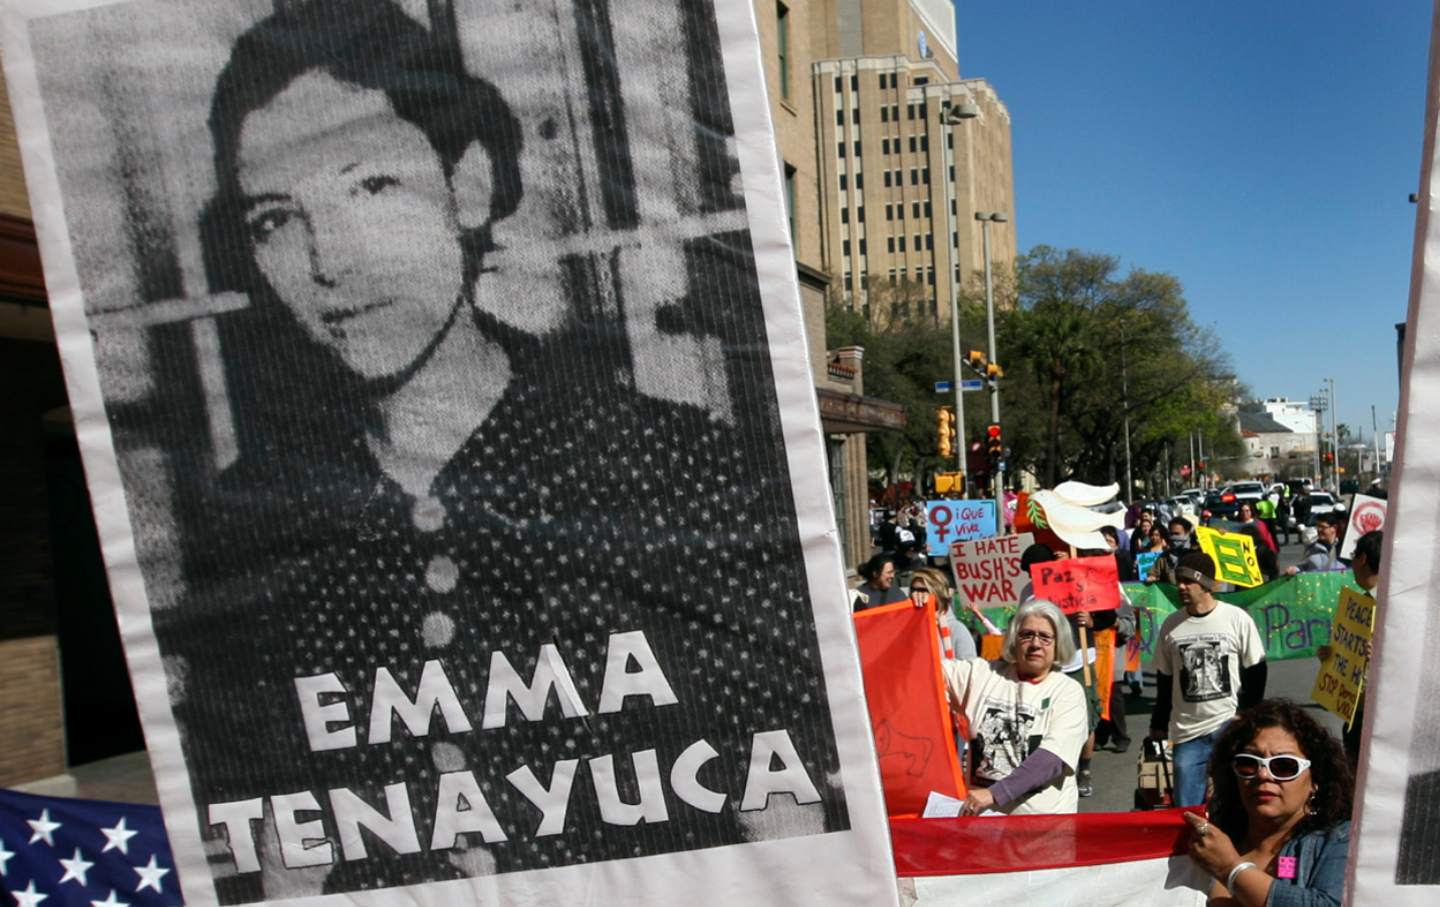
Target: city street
1115,773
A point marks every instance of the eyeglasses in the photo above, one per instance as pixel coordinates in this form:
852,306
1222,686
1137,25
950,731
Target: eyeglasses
1044,639
1281,768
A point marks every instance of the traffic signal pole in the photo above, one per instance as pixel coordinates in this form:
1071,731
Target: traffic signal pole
994,382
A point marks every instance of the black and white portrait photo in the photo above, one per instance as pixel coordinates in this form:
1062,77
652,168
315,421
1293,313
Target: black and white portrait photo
1003,740
434,360
1204,669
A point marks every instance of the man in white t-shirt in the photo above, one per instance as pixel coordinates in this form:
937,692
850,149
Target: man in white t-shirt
1209,662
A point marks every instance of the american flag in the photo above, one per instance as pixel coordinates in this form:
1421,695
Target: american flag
83,853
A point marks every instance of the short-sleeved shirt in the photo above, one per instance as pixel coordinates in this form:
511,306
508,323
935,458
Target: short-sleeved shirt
1203,656
1011,718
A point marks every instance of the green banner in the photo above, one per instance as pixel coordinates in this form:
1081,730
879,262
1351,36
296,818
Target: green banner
1293,613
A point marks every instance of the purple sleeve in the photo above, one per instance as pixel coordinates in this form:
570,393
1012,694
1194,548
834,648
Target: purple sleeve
1039,769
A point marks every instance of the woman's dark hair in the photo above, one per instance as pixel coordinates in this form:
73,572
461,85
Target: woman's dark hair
286,387
1329,769
1035,554
872,568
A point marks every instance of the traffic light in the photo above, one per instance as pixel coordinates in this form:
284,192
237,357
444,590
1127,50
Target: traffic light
976,360
1329,457
944,432
993,370
994,443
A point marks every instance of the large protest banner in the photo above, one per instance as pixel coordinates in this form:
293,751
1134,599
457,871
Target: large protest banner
1395,857
437,367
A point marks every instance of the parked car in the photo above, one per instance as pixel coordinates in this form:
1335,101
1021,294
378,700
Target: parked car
1322,502
1183,506
1246,491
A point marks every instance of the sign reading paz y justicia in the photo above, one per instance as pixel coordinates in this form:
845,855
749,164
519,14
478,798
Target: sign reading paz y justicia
1079,583
387,628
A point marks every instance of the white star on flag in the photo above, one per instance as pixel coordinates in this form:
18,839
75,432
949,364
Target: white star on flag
43,828
150,875
29,897
111,901
75,869
118,838
5,856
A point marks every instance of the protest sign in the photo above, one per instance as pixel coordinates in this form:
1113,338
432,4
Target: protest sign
1342,674
1079,583
1144,561
1234,556
905,692
957,521
988,572
329,279
1366,515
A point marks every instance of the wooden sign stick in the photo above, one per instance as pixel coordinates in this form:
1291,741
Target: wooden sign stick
1084,645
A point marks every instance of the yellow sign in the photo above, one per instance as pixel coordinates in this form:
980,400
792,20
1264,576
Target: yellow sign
1234,555
1342,674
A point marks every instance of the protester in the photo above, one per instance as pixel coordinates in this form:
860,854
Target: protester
1209,661
1141,536
1279,819
1282,513
1265,512
1026,719
929,582
1163,570
1322,554
897,539
1124,562
1262,531
879,587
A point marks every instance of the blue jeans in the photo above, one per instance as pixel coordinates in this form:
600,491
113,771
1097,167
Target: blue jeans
1190,759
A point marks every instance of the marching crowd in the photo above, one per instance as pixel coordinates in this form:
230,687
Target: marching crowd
1275,787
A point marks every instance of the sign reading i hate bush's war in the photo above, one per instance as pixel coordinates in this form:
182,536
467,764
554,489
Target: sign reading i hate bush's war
988,572
1079,583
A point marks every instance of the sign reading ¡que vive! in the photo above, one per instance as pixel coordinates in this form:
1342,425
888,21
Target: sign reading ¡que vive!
957,521
1234,556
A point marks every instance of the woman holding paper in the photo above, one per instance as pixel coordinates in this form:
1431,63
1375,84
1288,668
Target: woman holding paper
1027,720
1279,825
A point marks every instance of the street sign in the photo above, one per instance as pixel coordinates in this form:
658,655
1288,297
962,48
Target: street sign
969,384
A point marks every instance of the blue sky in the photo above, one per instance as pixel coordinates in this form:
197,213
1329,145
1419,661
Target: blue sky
1262,152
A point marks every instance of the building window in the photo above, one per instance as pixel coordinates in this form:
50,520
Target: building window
845,247
839,118
915,210
952,207
909,111
862,245
952,173
912,144
860,181
860,214
855,115
844,182
950,140
840,150
887,179
884,114
854,81
901,244
844,215
925,176
920,80
885,145
927,207
916,247
889,211
839,83
930,276
857,149
914,176
782,34
925,142
954,240
895,112
790,199
924,110
849,283
890,244
929,242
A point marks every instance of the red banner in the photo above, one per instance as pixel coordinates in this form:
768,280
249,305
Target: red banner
1079,583
904,690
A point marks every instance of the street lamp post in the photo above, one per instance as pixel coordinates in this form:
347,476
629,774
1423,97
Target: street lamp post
953,115
986,218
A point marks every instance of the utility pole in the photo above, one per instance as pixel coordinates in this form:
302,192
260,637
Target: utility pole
1334,439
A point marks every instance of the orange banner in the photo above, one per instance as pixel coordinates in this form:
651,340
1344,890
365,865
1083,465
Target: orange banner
905,693
1104,668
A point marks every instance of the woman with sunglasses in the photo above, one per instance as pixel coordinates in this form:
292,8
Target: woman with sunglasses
1027,721
1279,826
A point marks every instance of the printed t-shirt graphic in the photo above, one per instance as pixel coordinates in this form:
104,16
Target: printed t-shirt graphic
1204,668
1204,656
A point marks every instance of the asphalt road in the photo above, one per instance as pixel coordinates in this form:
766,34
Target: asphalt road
1115,773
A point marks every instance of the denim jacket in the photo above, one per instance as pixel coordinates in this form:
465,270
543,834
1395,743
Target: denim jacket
1319,872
